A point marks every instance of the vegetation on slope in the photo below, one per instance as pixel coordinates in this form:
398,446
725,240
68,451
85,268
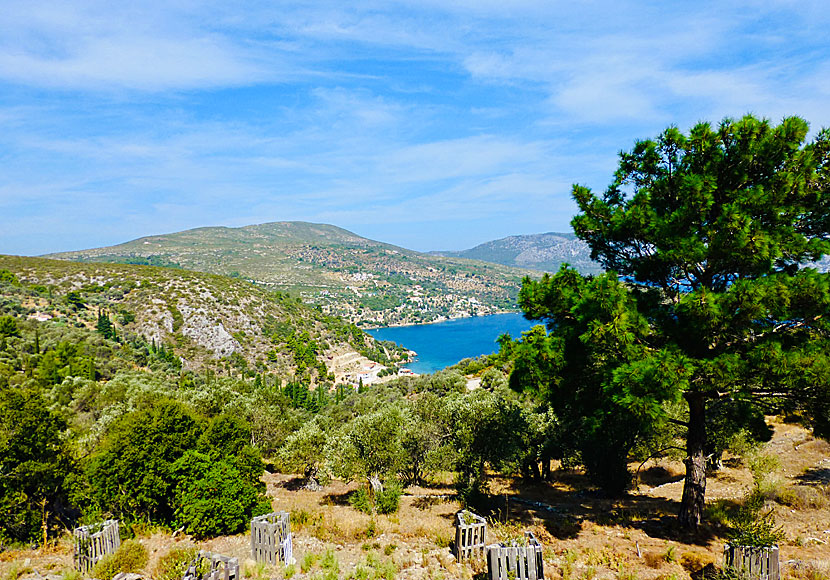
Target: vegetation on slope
97,420
210,323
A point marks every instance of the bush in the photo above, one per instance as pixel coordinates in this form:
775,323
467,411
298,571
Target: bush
213,498
803,497
385,502
131,556
389,500
173,564
694,562
33,462
138,456
752,526
360,501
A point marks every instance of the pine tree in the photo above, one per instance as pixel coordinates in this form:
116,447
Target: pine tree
105,326
711,233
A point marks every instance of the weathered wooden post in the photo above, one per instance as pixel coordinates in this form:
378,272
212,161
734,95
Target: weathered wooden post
469,535
753,562
514,562
271,538
210,566
93,542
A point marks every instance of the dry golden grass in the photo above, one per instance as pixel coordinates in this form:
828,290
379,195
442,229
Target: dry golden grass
587,537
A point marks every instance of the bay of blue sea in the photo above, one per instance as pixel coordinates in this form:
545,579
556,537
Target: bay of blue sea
442,344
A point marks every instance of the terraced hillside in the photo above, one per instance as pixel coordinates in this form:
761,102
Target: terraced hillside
207,320
364,281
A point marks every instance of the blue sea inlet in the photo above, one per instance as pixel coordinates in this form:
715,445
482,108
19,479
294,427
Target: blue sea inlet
443,344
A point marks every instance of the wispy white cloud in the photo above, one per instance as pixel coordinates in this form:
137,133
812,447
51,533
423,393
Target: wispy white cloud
464,120
144,63
106,47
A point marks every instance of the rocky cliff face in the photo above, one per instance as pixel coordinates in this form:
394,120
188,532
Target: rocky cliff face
204,319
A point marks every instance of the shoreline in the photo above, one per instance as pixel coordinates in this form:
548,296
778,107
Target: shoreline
401,325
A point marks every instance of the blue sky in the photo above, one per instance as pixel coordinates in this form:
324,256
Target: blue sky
431,125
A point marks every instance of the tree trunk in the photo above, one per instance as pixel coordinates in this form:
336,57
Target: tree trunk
694,488
534,470
311,482
375,485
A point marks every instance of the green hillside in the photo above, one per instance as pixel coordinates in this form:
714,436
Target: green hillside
361,280
206,321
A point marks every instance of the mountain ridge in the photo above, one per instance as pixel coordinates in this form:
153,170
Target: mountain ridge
544,252
362,280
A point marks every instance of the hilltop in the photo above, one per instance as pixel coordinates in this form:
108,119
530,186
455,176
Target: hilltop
364,281
206,320
545,252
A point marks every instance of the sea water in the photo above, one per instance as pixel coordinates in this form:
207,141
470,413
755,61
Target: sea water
442,344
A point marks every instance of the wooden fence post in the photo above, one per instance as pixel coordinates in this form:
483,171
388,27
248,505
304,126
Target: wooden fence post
93,542
469,535
756,563
209,566
514,562
271,538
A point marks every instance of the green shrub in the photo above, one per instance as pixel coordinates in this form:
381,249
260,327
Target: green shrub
752,526
325,575
172,565
8,326
721,512
385,502
360,501
759,531
389,500
308,562
329,561
803,497
763,467
131,556
138,456
71,575
33,462
214,498
380,569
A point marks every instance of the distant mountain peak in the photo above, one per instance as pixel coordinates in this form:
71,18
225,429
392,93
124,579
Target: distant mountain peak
545,252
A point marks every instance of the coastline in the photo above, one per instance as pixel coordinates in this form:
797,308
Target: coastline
437,321
441,345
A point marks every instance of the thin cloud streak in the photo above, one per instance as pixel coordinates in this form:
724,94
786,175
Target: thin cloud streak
397,119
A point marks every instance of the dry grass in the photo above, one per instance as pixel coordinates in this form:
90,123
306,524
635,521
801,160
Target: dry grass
811,571
587,537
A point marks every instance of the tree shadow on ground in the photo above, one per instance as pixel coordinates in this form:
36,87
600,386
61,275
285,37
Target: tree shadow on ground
658,475
820,475
341,499
566,503
295,483
429,501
